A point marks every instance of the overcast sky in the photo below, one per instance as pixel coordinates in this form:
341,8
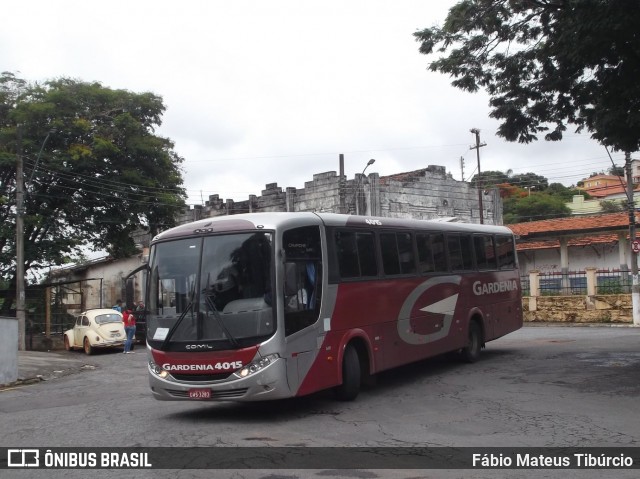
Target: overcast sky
272,91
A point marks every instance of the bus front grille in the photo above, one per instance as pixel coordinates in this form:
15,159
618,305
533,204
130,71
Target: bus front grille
196,378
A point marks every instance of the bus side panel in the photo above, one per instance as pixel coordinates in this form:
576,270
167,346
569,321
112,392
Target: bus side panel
500,296
410,319
393,318
326,370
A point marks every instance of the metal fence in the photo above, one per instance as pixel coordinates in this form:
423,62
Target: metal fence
575,283
36,299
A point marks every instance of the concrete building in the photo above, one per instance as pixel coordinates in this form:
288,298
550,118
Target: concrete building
428,193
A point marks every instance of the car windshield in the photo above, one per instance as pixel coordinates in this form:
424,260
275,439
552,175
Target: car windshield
108,318
214,289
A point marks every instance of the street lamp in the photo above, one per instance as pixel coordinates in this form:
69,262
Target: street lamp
355,191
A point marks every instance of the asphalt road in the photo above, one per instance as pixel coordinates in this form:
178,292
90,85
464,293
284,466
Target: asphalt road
538,387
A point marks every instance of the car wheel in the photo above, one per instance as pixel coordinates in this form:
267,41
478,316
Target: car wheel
87,346
67,346
351,376
471,352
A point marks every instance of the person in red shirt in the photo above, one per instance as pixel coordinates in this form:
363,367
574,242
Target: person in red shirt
129,320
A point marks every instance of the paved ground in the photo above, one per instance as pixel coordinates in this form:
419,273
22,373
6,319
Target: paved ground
36,366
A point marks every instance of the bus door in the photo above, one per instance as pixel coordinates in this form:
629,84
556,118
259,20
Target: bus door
301,299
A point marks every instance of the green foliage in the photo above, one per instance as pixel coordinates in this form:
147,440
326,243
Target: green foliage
564,192
94,169
616,170
547,65
539,206
612,206
490,178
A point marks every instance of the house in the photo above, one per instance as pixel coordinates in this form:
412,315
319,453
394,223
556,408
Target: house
98,283
572,244
599,183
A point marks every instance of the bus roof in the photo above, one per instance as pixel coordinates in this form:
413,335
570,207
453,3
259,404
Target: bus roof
275,220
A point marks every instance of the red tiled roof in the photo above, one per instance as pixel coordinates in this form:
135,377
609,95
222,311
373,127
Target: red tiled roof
580,230
604,191
575,225
577,242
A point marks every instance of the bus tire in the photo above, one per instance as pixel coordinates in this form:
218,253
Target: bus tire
471,352
351,376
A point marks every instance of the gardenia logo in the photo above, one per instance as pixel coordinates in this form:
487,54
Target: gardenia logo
188,367
480,288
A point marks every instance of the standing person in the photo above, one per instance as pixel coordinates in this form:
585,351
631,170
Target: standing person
118,306
129,320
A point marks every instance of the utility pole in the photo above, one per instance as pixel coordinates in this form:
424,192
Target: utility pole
20,296
341,187
635,285
462,167
477,147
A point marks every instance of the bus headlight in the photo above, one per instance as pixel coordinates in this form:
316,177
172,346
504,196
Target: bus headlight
257,365
157,370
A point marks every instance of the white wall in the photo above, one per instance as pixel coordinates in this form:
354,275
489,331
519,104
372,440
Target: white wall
8,350
580,257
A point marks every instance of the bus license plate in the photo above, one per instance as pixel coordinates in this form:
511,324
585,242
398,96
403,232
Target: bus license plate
199,393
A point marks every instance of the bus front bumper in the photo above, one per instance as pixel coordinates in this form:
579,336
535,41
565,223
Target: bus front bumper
267,384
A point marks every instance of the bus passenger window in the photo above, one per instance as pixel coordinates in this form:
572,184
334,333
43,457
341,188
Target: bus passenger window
425,254
467,252
485,252
405,248
389,249
367,254
356,254
397,253
506,253
460,252
347,254
439,253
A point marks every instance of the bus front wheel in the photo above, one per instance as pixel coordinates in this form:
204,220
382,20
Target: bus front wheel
351,376
471,352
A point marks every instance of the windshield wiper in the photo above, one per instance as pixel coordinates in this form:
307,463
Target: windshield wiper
219,320
165,343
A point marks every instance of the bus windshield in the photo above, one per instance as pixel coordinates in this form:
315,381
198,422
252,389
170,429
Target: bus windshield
213,292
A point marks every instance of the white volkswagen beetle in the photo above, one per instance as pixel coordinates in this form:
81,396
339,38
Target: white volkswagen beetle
96,328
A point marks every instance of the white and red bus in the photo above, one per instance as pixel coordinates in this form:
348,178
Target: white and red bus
274,305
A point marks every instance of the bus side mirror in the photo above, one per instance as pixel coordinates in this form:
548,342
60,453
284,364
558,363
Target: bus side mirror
290,279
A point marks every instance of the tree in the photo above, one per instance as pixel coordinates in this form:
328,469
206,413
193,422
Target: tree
539,206
613,206
547,64
530,180
616,170
490,178
94,170
564,192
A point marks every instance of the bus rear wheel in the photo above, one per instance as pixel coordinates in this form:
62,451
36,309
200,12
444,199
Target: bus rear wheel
351,376
471,352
